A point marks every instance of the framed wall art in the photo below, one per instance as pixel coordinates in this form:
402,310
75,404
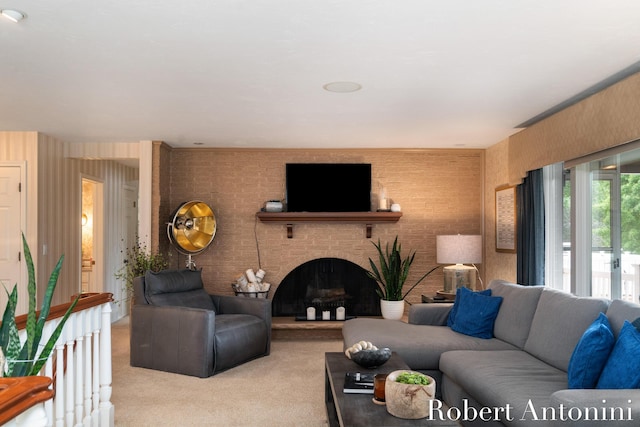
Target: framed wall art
506,227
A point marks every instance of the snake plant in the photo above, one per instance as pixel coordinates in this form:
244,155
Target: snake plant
24,359
393,271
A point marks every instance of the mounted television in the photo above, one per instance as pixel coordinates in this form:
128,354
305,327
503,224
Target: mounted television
328,187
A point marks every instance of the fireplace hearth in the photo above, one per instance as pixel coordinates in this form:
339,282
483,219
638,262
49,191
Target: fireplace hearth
326,284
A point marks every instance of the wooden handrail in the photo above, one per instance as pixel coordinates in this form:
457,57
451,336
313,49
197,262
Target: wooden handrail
21,393
86,301
17,394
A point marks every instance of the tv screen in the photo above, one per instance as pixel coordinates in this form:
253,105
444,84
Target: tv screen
328,187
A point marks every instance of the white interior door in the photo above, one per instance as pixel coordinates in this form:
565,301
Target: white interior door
130,201
11,271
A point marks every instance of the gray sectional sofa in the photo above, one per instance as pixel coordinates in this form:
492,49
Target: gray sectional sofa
518,377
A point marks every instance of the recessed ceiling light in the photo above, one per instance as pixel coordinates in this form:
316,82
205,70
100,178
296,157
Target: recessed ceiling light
342,87
13,15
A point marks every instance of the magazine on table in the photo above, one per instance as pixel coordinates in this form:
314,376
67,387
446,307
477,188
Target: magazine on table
358,382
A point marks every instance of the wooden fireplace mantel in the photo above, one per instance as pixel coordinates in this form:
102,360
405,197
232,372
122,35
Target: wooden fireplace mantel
367,218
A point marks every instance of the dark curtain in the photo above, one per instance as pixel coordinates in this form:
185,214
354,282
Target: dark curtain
530,229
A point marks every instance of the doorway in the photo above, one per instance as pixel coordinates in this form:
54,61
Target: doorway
92,236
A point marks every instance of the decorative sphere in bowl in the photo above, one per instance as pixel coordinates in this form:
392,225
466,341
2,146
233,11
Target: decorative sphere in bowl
371,358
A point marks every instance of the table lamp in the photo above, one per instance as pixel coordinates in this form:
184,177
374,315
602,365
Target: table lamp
458,250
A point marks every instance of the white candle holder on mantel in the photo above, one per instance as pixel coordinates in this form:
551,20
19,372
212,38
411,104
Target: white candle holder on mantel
311,313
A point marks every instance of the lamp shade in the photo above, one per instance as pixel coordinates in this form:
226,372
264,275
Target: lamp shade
459,249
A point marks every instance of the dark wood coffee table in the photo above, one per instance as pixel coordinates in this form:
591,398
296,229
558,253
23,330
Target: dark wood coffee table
358,410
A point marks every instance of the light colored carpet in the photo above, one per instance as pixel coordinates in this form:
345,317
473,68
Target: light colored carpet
283,389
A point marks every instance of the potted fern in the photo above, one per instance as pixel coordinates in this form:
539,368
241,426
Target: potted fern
391,275
25,360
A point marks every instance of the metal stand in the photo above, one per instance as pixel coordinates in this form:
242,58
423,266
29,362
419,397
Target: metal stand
191,264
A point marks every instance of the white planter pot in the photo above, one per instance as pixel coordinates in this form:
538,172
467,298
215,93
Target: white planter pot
392,310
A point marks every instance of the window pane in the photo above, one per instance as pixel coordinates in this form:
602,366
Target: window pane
601,213
630,234
566,232
600,226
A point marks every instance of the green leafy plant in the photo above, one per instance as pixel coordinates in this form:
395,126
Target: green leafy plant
413,378
25,360
137,261
393,271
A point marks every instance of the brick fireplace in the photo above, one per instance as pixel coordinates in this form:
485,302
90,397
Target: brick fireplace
326,284
236,182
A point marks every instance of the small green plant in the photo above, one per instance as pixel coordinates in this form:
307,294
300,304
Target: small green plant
25,360
137,261
393,271
412,378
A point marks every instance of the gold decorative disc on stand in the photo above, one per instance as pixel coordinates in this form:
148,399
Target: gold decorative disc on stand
192,229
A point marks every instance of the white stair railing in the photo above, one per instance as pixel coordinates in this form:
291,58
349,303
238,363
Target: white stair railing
80,366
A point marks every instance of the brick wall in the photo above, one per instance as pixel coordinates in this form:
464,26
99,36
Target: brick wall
440,191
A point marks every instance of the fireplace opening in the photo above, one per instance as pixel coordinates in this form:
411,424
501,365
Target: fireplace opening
326,284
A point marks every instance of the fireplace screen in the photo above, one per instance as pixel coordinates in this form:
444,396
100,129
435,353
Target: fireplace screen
326,284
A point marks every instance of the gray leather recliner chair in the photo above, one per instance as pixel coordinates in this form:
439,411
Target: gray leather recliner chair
176,326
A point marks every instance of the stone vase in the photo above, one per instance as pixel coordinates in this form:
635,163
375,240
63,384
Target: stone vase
408,401
392,309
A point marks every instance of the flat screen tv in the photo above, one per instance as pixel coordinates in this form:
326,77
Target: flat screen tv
328,187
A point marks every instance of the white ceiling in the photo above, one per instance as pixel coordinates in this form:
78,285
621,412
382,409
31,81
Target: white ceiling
239,73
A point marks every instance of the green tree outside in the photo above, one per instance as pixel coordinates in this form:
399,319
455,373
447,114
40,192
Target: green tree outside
630,212
601,213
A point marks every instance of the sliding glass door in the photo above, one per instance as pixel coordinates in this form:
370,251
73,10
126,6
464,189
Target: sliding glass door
600,227
605,231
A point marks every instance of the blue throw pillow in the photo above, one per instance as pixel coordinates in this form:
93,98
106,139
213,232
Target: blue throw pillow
456,303
622,370
591,354
476,314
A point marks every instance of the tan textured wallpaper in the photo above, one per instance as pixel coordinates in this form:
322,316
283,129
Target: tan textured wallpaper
498,265
606,119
